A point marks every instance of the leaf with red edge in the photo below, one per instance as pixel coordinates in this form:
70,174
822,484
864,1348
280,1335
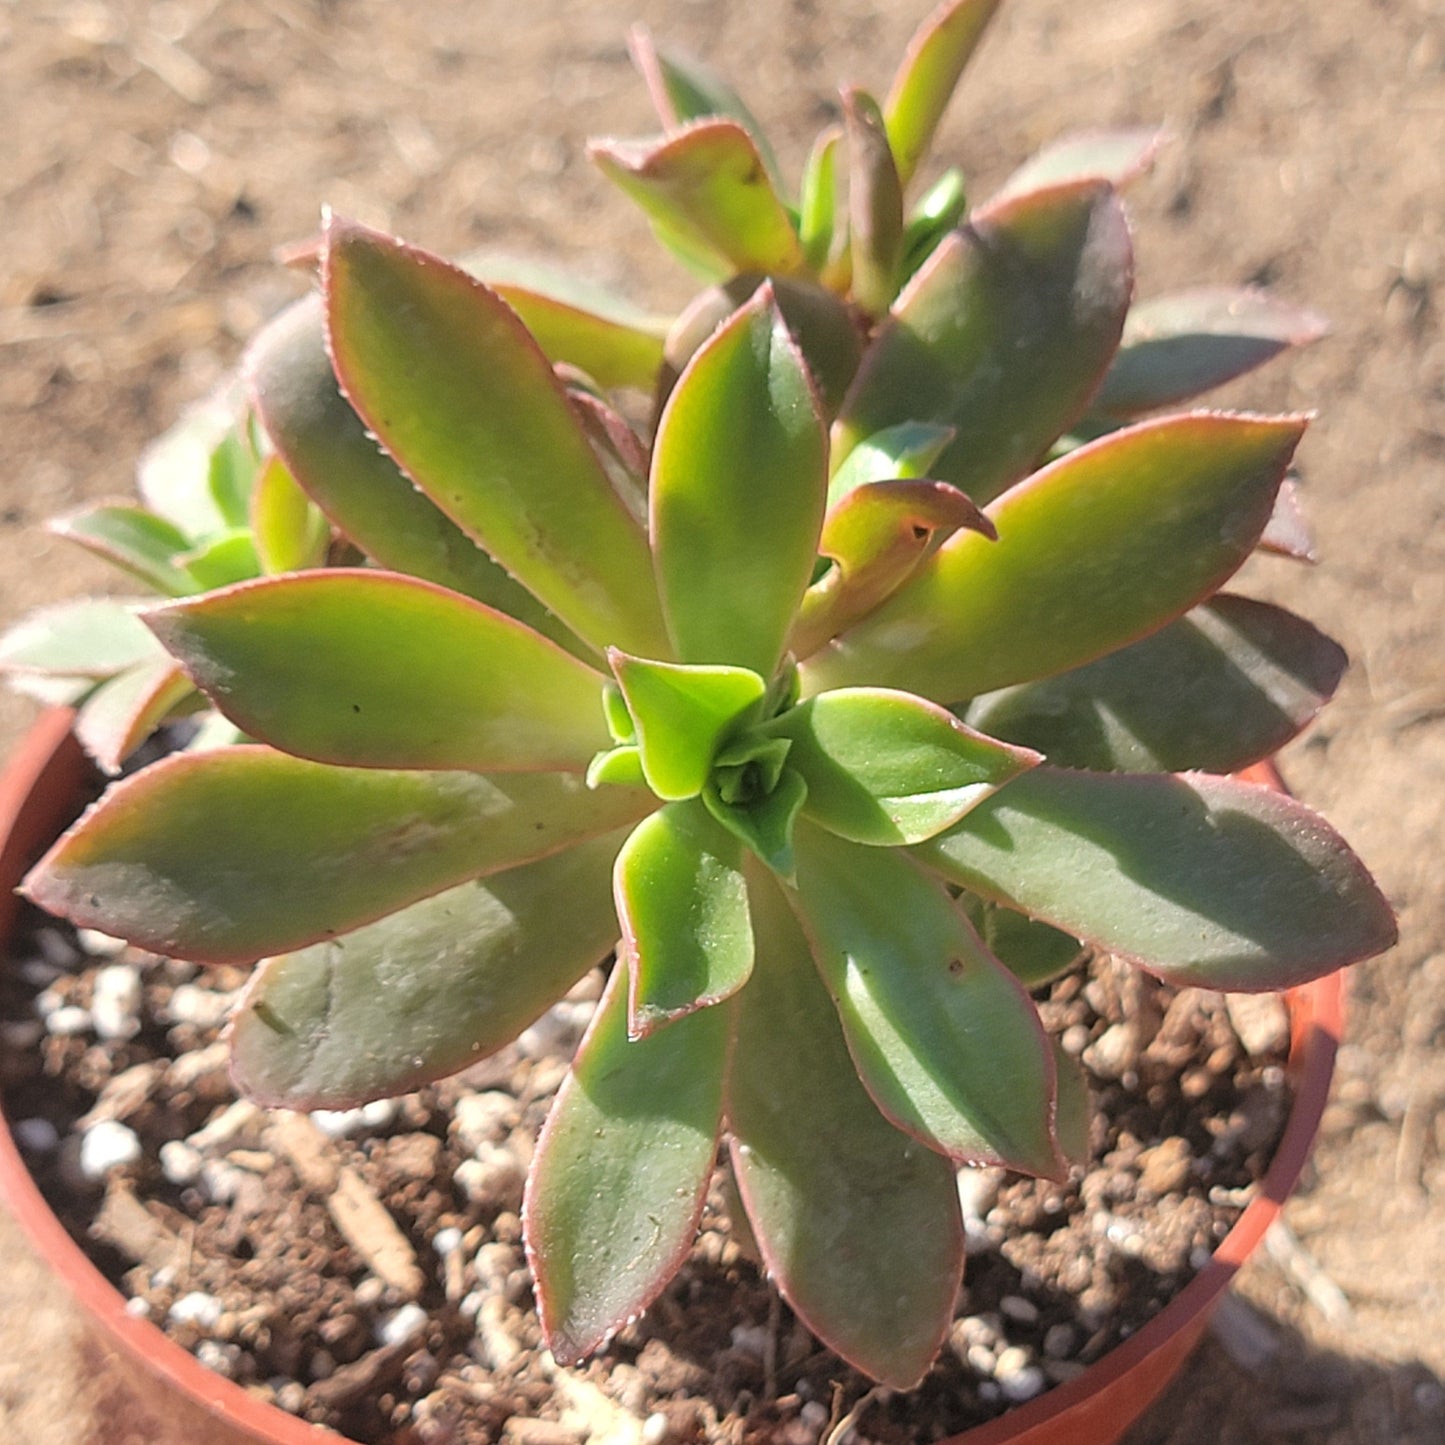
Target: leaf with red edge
1227,684
875,205
925,81
288,529
1116,156
707,192
1098,549
1287,533
1003,334
127,708
858,1224
443,372
687,939
739,478
416,996
621,1170
92,637
332,456
130,537
1179,346
228,855
1205,881
378,670
943,1036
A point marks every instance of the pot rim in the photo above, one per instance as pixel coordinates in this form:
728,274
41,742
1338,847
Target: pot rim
40,784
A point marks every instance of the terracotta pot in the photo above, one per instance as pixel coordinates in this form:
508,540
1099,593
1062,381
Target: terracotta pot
166,1397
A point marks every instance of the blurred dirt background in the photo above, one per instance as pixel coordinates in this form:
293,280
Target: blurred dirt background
154,154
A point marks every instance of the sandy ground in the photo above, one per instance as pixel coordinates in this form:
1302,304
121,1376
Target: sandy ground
154,154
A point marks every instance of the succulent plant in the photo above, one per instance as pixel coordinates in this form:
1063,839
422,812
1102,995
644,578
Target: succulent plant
854,695
217,507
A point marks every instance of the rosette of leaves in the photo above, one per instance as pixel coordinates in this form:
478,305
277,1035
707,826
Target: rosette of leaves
216,506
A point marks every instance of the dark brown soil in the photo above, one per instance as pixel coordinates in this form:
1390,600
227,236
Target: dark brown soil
365,1270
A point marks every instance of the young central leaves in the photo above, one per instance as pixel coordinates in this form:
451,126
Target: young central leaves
739,478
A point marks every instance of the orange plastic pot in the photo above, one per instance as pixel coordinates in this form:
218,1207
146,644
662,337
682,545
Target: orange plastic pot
165,1397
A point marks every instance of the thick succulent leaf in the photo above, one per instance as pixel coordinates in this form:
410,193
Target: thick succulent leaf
1116,156
231,475
1287,533
288,529
926,79
1003,334
228,855
441,369
887,768
577,321
944,1037
876,536
1226,685
818,200
857,1223
707,192
739,480
940,208
330,453
1076,1108
687,939
1100,548
141,542
1202,880
680,715
94,637
127,708
1033,952
621,1170
897,453
222,560
1181,345
875,205
174,473
765,824
618,448
820,322
427,991
377,670
683,89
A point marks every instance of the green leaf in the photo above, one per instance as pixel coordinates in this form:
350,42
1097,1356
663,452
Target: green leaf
819,321
765,823
683,89
876,536
1178,346
575,320
887,768
222,560
225,856
944,1037
818,218
1032,951
707,192
1226,685
130,537
435,987
230,476
617,447
875,205
127,708
1203,880
288,530
681,715
687,939
904,452
1003,335
938,211
93,637
174,472
621,1170
926,79
329,452
377,670
858,1224
1101,548
1076,1109
1116,156
739,479
618,767
444,373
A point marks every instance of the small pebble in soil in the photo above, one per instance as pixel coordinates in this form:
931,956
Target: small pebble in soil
179,1162
485,1118
203,1008
67,1021
98,944
39,1136
196,1308
107,1145
402,1326
115,1006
